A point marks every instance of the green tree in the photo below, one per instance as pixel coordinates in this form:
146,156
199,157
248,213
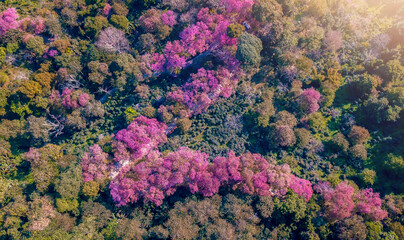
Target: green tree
36,45
249,49
120,21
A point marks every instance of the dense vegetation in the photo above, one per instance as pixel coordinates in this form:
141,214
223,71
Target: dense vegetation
201,119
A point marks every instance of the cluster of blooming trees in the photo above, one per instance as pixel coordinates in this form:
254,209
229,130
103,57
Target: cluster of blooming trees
139,170
74,99
159,176
8,20
341,201
181,62
139,138
204,88
208,35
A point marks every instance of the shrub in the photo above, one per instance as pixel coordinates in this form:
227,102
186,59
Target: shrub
66,205
368,176
351,228
394,164
266,11
149,112
303,137
317,122
283,135
285,118
39,128
93,25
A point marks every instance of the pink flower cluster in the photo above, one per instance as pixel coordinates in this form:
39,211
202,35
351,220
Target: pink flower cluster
196,38
36,25
172,59
204,88
33,156
157,177
52,53
302,187
150,20
369,204
207,86
242,7
74,99
8,20
169,18
308,100
341,201
95,164
209,33
142,172
139,138
106,10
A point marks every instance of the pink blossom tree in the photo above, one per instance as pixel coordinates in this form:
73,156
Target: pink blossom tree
339,202
8,20
208,34
169,18
150,20
139,138
106,10
302,187
263,178
196,38
95,164
206,87
72,99
308,100
369,204
156,176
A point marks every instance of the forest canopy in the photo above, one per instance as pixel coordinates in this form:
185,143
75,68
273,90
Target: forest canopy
201,119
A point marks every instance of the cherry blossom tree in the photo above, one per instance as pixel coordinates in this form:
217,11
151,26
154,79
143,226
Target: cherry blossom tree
139,138
169,18
339,203
308,100
369,204
72,99
302,187
95,164
157,176
8,20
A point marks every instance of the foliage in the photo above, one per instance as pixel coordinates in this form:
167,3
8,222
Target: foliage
249,49
202,119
